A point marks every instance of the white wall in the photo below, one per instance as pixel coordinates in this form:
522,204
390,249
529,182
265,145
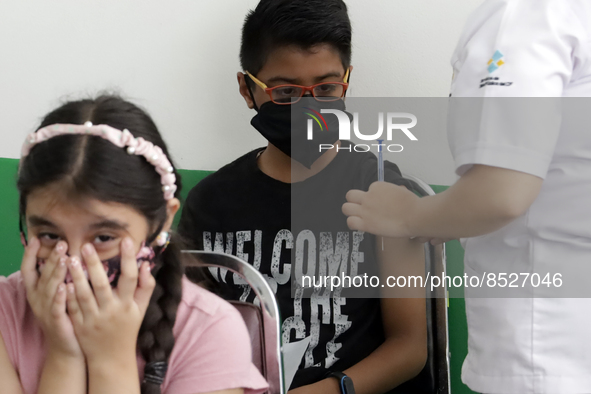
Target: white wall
179,60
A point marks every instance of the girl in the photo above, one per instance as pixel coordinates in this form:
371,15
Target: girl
100,304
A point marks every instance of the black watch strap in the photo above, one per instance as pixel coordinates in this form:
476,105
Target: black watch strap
345,382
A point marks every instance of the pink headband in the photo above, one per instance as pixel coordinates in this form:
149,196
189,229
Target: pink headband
122,139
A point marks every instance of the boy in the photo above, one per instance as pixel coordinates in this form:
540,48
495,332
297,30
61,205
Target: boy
292,48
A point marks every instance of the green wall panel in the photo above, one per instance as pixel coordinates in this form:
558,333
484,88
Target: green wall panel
11,255
10,244
458,327
189,179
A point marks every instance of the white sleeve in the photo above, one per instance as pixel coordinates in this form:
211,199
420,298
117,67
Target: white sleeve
516,49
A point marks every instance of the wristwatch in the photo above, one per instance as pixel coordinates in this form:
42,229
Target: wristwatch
345,382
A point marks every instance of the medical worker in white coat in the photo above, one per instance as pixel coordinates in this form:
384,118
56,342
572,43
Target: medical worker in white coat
524,195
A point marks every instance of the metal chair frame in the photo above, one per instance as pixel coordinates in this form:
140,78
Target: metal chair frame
435,262
269,309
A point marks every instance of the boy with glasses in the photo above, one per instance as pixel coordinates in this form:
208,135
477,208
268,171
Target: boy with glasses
298,52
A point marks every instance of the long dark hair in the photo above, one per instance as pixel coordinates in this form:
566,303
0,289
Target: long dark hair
91,166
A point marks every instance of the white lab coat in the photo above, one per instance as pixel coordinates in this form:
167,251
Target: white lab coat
529,48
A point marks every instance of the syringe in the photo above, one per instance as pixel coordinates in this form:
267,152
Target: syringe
380,170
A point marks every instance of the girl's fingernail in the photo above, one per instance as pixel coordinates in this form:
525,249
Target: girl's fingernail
70,288
61,247
60,288
126,243
74,261
87,249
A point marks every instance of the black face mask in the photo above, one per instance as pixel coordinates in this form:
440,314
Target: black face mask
290,134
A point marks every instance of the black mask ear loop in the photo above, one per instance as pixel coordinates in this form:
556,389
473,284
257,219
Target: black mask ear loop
250,91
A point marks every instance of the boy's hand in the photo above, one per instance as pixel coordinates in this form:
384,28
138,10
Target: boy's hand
324,386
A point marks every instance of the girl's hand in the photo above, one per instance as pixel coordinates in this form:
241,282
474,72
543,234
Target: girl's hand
46,294
107,322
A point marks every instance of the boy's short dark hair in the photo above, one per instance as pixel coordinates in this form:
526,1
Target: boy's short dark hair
304,23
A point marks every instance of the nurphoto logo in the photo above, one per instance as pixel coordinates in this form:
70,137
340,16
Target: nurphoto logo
392,120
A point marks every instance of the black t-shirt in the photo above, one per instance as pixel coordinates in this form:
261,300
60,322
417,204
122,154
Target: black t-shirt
284,229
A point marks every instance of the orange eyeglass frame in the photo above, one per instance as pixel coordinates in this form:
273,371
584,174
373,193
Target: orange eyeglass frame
305,89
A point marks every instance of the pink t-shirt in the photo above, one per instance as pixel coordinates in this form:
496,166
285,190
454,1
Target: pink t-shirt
212,349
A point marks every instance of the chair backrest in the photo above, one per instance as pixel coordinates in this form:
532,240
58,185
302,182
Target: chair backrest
435,375
262,319
253,318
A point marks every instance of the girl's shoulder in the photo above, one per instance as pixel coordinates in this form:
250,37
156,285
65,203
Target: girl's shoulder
20,331
13,296
201,306
12,282
203,300
212,347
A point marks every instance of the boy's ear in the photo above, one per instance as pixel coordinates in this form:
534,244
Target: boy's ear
243,89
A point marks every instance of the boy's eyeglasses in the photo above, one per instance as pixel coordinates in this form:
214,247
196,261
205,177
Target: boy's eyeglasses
290,94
